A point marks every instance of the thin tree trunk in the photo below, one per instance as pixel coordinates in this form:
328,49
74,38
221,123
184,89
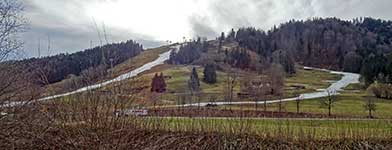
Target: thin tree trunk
256,105
280,105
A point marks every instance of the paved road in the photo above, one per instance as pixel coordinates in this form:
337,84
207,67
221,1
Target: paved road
348,78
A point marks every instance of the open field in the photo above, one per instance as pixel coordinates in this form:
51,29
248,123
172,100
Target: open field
349,103
295,129
178,75
311,79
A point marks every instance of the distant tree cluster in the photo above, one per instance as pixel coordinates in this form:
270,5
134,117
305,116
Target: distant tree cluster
381,90
239,58
283,58
56,68
377,68
158,83
189,52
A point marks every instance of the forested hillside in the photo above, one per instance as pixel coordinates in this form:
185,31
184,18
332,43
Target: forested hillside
97,60
328,43
189,52
362,45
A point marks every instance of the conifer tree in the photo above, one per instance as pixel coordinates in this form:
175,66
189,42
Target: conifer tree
162,84
193,82
209,74
154,83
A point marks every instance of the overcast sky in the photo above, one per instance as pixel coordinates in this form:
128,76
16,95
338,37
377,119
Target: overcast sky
70,23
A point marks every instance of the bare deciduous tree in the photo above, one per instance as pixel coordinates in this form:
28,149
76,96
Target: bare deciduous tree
11,24
298,102
276,75
370,106
231,81
329,101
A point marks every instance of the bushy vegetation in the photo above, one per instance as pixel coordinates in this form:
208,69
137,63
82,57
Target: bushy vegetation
381,90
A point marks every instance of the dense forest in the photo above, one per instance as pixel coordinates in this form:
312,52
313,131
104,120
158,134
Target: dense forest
56,68
361,45
189,52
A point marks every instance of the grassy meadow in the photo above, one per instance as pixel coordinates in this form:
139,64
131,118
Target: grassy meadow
350,103
284,128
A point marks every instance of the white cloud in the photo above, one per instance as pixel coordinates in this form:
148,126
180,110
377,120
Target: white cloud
70,21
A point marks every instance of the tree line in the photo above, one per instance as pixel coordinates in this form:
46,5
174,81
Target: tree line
56,68
189,52
328,43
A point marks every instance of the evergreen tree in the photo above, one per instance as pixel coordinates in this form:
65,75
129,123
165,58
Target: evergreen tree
209,74
373,65
231,35
221,40
193,82
162,84
352,62
158,83
154,83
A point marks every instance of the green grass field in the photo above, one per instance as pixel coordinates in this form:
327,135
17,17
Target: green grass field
310,79
316,129
180,75
350,104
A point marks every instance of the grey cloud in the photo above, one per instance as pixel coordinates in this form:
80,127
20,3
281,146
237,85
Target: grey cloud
266,13
201,27
69,30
